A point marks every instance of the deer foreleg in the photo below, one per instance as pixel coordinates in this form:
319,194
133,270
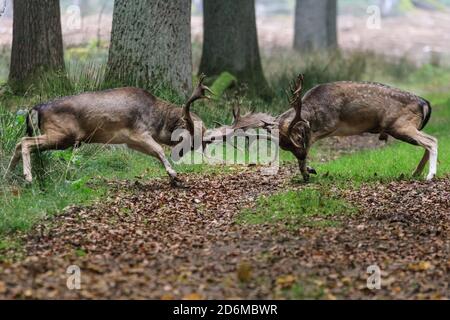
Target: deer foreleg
148,145
303,169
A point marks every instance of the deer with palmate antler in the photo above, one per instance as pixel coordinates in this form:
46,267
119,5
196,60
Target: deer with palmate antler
129,116
351,108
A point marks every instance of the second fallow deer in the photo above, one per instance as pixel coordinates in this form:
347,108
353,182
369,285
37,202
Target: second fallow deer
350,108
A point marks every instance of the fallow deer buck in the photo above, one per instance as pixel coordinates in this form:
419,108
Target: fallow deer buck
352,108
129,116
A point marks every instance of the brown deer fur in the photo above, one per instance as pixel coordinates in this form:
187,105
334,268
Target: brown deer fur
353,108
129,116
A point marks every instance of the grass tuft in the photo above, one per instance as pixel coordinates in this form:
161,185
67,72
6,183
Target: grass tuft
298,208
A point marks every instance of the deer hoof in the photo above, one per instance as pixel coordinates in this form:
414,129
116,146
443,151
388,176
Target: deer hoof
177,183
305,177
311,170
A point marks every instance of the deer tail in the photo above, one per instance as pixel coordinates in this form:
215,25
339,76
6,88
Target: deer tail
426,113
33,122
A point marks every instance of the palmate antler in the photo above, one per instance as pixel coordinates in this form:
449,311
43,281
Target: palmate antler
298,130
199,93
296,93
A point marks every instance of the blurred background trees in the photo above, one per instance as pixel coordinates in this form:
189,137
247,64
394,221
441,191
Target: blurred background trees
315,25
230,42
150,44
37,44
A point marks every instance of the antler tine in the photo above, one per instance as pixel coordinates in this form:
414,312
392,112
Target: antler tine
236,113
295,88
299,84
204,88
201,79
292,86
199,93
237,110
288,95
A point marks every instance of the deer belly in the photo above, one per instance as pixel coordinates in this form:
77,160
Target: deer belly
110,137
347,129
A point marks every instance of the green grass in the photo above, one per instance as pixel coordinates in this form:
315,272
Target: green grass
297,208
302,291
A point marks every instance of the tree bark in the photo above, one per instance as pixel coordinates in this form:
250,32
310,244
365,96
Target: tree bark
231,42
37,44
332,13
151,45
315,25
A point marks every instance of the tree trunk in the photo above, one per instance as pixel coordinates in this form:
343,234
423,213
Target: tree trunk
315,25
231,42
151,45
332,13
37,41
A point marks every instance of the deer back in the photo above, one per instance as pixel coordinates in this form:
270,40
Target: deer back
351,108
110,116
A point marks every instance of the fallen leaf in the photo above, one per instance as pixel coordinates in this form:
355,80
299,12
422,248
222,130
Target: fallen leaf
193,296
286,281
244,272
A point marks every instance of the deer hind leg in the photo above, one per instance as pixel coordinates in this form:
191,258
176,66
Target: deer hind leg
15,159
29,145
429,143
422,164
147,145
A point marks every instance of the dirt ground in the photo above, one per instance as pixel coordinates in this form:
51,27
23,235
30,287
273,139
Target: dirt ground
146,240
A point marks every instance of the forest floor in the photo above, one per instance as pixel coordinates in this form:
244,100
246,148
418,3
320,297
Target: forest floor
147,240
